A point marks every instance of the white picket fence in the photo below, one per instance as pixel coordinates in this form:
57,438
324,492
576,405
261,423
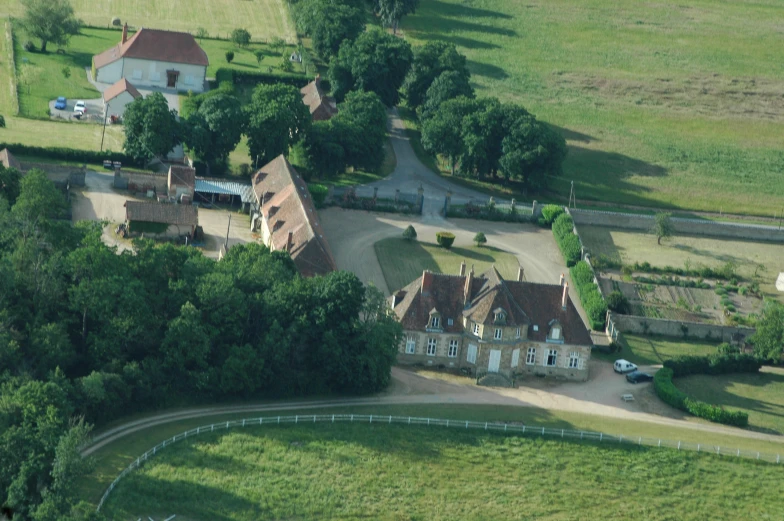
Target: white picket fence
436,422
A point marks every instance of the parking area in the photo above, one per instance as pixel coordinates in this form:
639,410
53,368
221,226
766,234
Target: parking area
93,112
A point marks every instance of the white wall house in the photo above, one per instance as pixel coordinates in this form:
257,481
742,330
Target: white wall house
118,96
154,58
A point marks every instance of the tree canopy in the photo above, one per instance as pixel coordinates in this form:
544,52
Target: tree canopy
216,128
50,21
392,11
769,338
276,119
662,226
448,85
151,128
376,61
429,62
344,22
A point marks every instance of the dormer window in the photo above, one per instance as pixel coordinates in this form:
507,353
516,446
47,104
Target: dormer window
555,332
476,329
450,322
435,322
499,316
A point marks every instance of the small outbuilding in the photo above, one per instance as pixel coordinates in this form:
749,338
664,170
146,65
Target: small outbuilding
117,97
161,219
181,182
8,160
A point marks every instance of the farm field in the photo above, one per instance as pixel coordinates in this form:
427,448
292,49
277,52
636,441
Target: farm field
629,247
662,104
398,472
403,261
265,19
653,350
760,395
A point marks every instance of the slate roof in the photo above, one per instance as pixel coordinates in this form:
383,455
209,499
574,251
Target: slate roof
158,45
8,160
286,206
321,106
118,88
143,211
525,304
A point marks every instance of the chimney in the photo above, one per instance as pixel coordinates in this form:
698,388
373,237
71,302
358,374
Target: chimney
462,269
520,274
467,290
561,282
565,297
318,81
125,33
427,281
290,242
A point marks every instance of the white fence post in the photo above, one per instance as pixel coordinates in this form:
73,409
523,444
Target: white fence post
601,435
698,447
679,445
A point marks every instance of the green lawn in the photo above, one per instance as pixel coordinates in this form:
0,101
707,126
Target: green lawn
629,247
661,103
653,350
760,395
245,58
403,261
397,472
264,19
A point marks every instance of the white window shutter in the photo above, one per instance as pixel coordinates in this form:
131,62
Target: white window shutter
515,358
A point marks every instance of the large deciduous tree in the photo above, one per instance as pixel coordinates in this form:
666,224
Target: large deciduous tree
376,61
448,85
329,23
531,150
662,226
430,60
276,119
151,128
769,339
216,128
50,21
392,11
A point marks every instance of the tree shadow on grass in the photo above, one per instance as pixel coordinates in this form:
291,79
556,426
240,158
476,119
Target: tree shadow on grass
471,255
485,69
459,41
572,135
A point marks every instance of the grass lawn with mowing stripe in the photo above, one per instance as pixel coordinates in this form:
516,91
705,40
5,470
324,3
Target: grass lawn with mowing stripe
661,103
394,472
653,350
760,395
264,19
402,261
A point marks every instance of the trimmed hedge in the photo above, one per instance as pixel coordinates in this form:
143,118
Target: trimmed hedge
240,77
567,241
69,154
593,302
550,212
713,365
445,239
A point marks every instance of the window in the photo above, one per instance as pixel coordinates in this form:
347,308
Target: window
410,345
530,358
471,356
552,357
431,347
555,333
498,333
515,358
476,329
450,322
435,322
499,317
536,328
574,360
137,74
518,332
452,349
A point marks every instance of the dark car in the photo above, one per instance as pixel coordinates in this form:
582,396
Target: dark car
637,377
61,103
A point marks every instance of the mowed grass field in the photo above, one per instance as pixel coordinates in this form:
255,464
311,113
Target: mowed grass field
629,247
653,350
396,472
265,19
662,103
403,261
760,395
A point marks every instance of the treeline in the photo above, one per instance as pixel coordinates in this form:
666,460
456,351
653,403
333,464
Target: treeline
88,335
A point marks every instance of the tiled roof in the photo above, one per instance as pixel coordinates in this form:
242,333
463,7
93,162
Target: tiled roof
287,206
525,304
118,88
182,176
158,45
321,106
8,160
142,211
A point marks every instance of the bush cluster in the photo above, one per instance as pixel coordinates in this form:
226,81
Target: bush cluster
592,300
318,192
567,241
445,239
726,272
69,154
240,77
672,281
488,213
550,212
666,390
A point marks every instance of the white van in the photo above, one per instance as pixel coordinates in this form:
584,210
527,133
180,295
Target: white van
624,366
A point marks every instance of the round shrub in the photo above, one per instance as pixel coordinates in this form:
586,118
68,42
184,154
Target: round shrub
550,212
116,21
480,239
445,239
29,46
618,302
229,56
410,233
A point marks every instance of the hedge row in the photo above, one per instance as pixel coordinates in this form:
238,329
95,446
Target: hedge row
240,77
69,154
550,212
666,390
704,272
713,365
567,241
593,302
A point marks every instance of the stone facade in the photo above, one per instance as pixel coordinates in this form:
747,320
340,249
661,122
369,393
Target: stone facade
488,325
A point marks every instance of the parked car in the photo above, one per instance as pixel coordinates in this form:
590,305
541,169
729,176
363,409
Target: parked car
80,107
637,377
624,366
61,103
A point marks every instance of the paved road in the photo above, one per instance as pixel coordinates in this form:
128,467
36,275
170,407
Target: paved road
599,396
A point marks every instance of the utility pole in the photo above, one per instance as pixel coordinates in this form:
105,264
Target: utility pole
227,234
104,125
572,198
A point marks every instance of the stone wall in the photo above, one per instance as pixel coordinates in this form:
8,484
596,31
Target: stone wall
752,232
137,182
673,328
59,175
